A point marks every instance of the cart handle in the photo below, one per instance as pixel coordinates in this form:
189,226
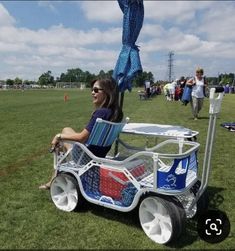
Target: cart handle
215,100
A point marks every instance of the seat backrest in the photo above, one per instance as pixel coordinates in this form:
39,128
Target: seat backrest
104,133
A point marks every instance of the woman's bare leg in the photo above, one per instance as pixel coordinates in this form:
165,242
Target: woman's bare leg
67,130
46,186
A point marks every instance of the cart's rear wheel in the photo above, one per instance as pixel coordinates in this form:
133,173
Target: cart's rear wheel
181,218
162,219
65,192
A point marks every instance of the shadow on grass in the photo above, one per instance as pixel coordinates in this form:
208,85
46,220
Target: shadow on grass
203,117
191,235
188,237
207,118
129,218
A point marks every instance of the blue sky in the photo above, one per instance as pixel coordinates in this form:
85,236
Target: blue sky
37,36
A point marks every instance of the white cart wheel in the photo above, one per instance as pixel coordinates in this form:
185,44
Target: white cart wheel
65,192
160,219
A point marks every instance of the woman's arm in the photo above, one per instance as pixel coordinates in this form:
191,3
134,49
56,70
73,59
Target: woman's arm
190,82
205,81
79,137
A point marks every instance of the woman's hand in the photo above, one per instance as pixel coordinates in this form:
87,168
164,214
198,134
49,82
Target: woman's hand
56,139
190,83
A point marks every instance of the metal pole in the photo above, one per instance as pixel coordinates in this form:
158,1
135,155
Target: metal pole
208,153
215,105
121,100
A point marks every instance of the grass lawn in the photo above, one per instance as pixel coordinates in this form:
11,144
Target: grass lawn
29,219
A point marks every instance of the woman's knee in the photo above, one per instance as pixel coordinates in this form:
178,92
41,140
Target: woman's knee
68,130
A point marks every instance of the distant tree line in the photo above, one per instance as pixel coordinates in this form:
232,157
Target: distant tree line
78,75
227,79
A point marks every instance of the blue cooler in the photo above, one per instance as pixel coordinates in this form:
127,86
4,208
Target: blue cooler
187,95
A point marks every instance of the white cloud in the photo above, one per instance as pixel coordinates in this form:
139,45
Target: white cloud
176,11
197,35
58,35
13,48
5,18
105,11
218,23
62,59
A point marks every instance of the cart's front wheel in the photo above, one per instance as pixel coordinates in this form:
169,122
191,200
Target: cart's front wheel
65,192
160,219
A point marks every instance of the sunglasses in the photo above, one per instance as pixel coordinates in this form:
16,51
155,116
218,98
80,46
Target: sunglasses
96,89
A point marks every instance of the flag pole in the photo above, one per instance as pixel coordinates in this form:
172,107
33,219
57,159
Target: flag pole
121,100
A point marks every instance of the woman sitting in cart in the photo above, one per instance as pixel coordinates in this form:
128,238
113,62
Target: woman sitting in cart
105,100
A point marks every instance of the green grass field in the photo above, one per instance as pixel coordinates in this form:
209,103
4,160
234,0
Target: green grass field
29,219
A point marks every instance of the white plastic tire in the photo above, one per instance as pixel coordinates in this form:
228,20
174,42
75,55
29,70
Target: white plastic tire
161,219
65,192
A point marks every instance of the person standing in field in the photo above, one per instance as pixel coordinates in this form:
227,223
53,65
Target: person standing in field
182,84
147,88
198,83
166,91
171,89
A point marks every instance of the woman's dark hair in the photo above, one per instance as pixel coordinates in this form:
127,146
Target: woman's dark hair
110,88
